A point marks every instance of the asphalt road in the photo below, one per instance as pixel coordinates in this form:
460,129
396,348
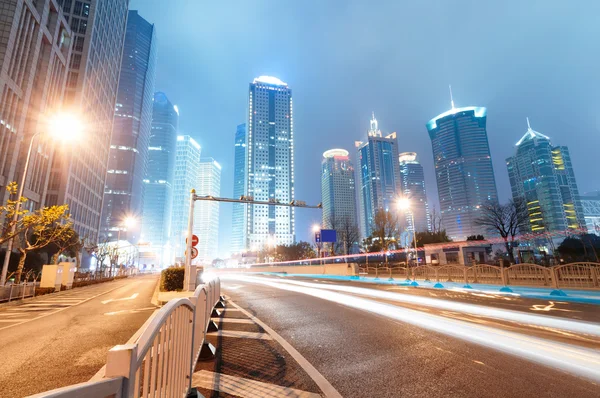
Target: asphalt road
390,341
62,339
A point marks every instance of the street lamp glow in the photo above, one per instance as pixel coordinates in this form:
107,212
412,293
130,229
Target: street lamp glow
129,222
403,204
316,228
65,126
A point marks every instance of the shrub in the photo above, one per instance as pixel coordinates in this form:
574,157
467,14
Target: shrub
40,291
171,279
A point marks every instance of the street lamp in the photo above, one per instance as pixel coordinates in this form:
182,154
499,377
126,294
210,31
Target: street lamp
61,126
404,205
317,229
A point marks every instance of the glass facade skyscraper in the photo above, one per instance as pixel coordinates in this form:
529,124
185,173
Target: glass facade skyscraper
463,169
206,214
338,194
158,184
238,232
270,163
379,175
543,176
128,156
591,211
413,189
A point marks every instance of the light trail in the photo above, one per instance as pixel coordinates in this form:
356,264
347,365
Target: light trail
588,328
572,359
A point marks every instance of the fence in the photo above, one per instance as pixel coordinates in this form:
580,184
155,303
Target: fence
12,291
160,358
575,275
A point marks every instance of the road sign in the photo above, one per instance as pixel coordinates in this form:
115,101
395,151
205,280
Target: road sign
194,240
318,237
328,235
194,252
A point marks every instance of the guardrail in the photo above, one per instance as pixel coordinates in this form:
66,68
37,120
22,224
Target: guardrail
11,291
574,275
160,360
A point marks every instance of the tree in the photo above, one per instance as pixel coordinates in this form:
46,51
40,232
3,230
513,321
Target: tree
102,253
582,247
296,251
349,234
475,237
436,220
65,244
425,238
42,227
506,220
8,211
385,229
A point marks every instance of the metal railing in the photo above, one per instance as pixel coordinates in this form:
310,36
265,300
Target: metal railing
574,275
12,291
160,358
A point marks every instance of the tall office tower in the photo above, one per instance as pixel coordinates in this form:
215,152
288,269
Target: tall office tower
543,176
187,165
379,175
35,43
206,214
270,163
238,231
338,194
463,169
591,211
413,188
78,174
158,184
128,155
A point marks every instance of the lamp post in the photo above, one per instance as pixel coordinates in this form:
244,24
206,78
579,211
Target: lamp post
62,125
317,231
404,204
128,222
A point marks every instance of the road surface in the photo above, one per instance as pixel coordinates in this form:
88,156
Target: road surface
392,341
62,339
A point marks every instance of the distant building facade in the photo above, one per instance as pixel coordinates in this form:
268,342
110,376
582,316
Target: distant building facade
35,45
206,214
379,174
238,231
463,168
158,184
338,195
543,176
128,155
591,211
187,166
413,189
270,163
78,175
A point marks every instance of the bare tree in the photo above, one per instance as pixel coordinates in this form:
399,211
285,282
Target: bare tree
436,220
506,220
385,229
102,253
349,234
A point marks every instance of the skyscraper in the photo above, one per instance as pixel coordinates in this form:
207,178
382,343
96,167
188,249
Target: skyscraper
413,188
543,176
35,44
270,162
379,175
206,214
78,176
463,168
238,232
187,164
591,211
158,184
128,155
338,194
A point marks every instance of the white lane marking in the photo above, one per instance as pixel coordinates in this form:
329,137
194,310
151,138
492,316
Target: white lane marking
130,311
241,387
232,320
241,335
549,307
318,378
43,305
12,320
132,297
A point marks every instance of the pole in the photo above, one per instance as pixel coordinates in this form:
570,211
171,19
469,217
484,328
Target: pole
188,245
412,218
13,227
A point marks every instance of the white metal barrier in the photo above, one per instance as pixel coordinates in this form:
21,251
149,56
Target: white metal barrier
11,291
160,362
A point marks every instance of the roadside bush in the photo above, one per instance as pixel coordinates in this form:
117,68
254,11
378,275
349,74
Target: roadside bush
171,279
40,291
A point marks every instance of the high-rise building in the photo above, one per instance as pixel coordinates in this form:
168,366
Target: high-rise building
238,232
78,176
270,163
128,155
338,195
158,184
379,175
35,44
206,214
543,176
591,211
187,164
413,189
463,169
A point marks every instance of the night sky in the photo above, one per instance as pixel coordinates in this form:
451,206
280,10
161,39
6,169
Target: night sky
344,59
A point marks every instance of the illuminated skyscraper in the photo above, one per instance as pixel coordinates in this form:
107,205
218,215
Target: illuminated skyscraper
543,176
379,175
238,232
463,169
413,188
206,214
270,163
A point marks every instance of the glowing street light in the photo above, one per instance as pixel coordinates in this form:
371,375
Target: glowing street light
405,205
316,228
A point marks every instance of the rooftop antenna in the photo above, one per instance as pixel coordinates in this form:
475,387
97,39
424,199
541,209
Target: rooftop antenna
451,99
528,125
